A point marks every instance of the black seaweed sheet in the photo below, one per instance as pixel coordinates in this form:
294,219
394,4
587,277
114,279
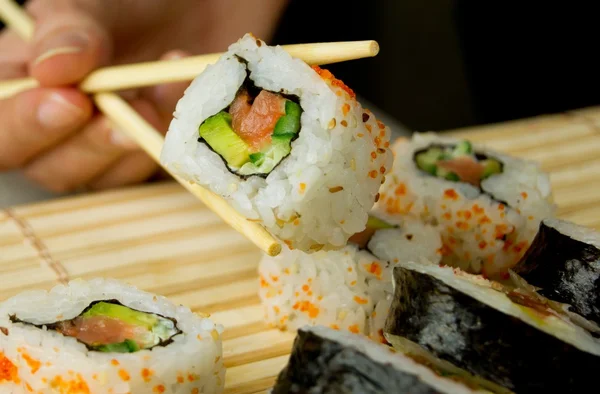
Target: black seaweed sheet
484,341
565,269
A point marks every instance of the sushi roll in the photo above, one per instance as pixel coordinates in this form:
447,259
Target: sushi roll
487,205
563,262
465,323
286,144
348,289
102,336
330,362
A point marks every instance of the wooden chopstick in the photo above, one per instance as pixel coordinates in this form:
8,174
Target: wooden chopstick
138,75
115,108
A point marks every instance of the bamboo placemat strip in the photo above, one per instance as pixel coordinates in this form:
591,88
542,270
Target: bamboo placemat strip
161,239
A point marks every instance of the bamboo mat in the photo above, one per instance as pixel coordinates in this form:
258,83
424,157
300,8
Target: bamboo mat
161,239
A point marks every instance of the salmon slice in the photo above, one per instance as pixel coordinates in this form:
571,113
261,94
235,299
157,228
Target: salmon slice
101,330
466,168
255,122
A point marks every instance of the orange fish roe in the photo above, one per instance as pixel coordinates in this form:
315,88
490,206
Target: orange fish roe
34,364
114,362
369,128
195,390
349,269
344,123
374,268
354,329
524,195
387,144
520,246
345,109
530,217
296,222
263,283
360,135
180,379
484,220
147,374
377,141
159,389
288,243
501,207
8,371
447,215
327,75
191,377
477,209
373,155
444,250
353,283
302,187
274,278
334,326
462,225
307,306
459,213
124,375
305,288
467,215
63,386
400,190
450,194
482,245
286,271
373,174
360,300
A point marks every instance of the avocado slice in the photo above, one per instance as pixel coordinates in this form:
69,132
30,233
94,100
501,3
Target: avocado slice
219,134
427,161
377,224
122,313
462,148
491,167
128,346
290,122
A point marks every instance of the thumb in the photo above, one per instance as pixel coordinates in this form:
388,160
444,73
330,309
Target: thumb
67,46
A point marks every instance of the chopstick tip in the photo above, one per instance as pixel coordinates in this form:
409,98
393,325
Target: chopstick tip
374,48
274,249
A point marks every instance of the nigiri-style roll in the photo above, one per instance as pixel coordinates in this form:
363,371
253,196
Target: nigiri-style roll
348,289
102,336
487,205
329,362
563,262
466,324
286,144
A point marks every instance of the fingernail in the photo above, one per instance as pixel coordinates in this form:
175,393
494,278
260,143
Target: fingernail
62,44
121,139
56,112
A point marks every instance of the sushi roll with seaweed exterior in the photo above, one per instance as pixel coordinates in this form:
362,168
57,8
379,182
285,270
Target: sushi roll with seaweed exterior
102,336
487,205
348,289
563,262
481,330
286,144
331,362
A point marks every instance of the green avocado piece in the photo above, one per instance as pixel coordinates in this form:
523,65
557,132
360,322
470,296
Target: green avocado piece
290,122
128,346
377,224
491,167
122,313
219,134
427,161
462,148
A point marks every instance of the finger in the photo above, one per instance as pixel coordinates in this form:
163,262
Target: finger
165,97
131,169
86,155
68,44
35,120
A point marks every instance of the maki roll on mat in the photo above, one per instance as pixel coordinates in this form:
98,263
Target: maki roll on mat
327,361
563,263
465,323
286,144
487,205
348,289
102,336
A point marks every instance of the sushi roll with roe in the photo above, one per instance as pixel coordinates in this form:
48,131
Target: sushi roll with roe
288,145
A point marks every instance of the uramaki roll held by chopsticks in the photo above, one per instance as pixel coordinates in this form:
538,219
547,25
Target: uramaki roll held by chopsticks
286,144
103,336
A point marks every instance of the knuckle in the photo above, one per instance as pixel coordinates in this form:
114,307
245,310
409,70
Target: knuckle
47,181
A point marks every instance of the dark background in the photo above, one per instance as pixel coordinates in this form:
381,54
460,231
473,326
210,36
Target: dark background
454,63
446,64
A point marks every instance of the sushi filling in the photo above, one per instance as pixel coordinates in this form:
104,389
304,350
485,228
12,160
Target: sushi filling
457,163
109,326
373,224
254,134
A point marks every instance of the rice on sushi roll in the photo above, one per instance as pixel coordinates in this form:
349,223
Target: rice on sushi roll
348,289
563,263
102,336
286,144
487,205
482,330
330,362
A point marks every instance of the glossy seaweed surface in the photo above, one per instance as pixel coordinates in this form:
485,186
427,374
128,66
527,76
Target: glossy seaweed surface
484,341
320,365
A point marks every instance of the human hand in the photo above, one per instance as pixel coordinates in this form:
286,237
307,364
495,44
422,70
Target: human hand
53,132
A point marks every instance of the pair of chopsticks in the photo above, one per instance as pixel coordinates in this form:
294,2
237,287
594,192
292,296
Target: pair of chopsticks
102,81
